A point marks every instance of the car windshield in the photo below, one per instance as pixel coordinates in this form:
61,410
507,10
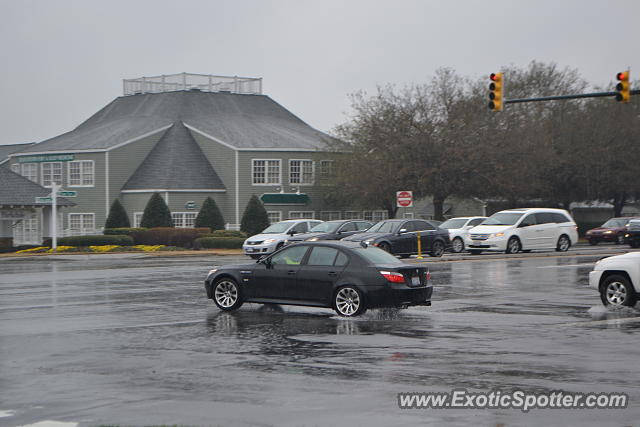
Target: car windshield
326,227
453,223
377,256
277,228
614,223
384,227
503,218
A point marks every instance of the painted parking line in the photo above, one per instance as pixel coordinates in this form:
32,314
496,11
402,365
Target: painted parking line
584,264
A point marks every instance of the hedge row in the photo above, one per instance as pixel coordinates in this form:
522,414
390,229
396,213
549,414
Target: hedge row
226,233
127,231
219,242
96,240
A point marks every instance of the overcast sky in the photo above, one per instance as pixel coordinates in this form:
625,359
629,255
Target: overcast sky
64,60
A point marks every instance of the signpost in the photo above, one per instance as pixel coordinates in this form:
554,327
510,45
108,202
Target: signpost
53,199
404,199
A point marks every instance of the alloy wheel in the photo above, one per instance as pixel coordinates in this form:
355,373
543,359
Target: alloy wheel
457,246
616,293
226,293
347,301
563,244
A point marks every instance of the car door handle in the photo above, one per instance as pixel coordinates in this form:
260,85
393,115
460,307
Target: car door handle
333,273
292,272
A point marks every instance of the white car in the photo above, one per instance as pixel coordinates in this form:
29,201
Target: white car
459,230
516,230
272,238
617,278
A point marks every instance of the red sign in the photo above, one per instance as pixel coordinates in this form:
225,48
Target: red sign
404,199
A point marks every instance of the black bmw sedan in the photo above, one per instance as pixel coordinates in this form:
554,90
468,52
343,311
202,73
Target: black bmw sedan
331,230
400,237
348,277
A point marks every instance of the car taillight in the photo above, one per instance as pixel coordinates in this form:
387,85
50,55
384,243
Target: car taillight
393,277
427,275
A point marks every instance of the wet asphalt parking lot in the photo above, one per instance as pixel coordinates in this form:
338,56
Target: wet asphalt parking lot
132,340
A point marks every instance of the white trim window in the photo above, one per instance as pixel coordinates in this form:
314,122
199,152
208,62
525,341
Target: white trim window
266,171
51,172
408,215
352,215
82,224
137,219
81,173
27,231
184,219
326,168
301,172
28,170
302,214
274,216
330,215
376,216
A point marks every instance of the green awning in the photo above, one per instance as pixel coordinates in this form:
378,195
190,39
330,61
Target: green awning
284,199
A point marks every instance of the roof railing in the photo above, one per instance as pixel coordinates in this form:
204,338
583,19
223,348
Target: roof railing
196,82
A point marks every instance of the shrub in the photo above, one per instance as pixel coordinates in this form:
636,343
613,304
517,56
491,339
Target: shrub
181,237
219,242
210,216
156,213
95,240
226,233
117,216
254,218
127,231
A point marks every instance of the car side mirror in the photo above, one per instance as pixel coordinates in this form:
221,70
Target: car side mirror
402,231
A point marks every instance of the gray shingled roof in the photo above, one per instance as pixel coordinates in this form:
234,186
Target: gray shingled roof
5,150
243,121
176,162
17,190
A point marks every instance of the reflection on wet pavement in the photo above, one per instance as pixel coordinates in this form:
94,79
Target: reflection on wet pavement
135,341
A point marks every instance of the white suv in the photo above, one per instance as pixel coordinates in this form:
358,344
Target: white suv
516,230
272,238
617,278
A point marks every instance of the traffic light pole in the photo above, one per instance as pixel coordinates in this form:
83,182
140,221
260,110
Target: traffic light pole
562,97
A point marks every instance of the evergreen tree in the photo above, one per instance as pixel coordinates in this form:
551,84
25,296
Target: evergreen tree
117,216
156,213
254,218
210,216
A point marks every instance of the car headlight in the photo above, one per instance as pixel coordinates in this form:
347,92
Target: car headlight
497,234
266,242
312,239
368,242
608,232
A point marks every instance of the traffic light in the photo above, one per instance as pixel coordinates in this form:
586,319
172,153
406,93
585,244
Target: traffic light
495,92
624,92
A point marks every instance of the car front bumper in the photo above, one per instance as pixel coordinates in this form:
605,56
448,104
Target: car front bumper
259,249
491,244
611,237
594,278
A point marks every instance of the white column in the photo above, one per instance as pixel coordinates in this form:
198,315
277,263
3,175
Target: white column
54,216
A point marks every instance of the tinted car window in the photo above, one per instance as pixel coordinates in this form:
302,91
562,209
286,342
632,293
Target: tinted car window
350,226
377,256
341,259
322,256
422,225
544,218
476,221
292,255
528,220
361,226
560,218
408,226
385,227
300,228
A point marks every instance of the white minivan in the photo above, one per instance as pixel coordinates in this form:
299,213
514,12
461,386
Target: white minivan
516,230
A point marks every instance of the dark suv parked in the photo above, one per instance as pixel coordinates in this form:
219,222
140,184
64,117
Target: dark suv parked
399,237
331,230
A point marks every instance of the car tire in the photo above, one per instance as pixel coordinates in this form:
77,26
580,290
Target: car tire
620,239
385,247
513,245
227,294
349,302
593,242
475,251
279,246
404,256
616,290
437,249
564,243
457,245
